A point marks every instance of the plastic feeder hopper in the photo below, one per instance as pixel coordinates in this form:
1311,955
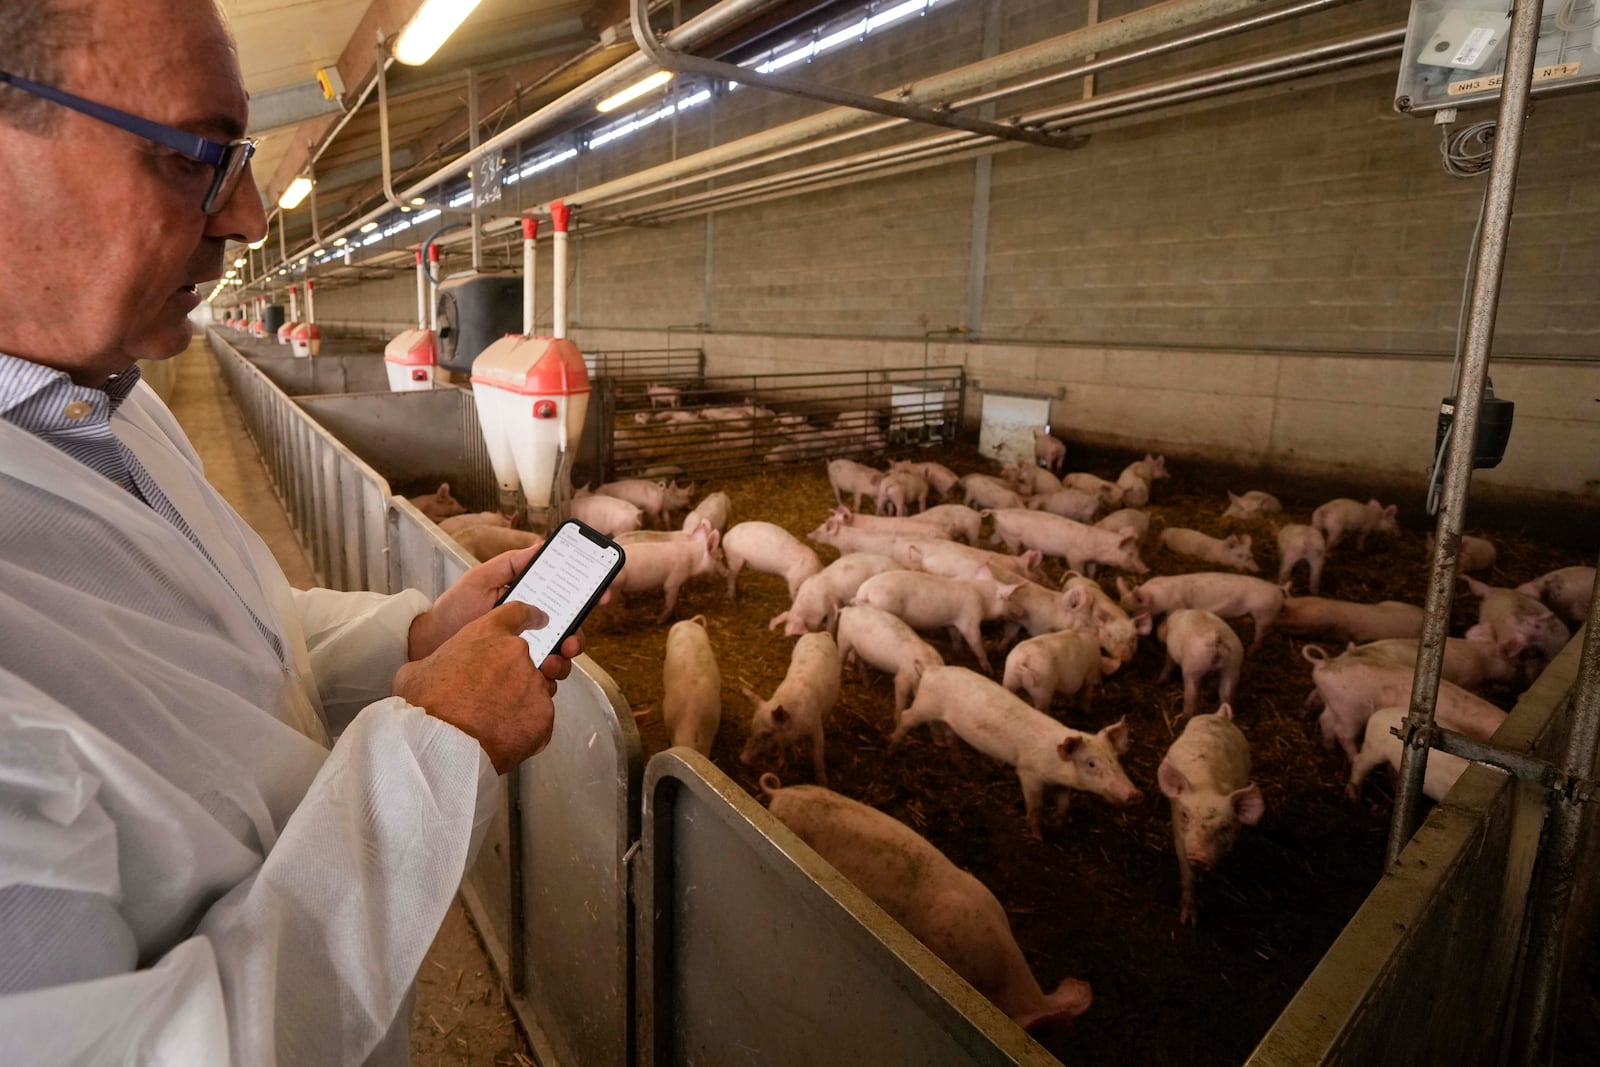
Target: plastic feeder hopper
533,395
412,356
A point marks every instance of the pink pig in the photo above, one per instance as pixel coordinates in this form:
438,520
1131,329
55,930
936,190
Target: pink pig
1297,544
938,903
803,699
929,602
1049,451
1566,592
1227,595
1003,727
1206,776
1067,662
1053,535
878,639
770,549
816,605
1344,516
439,504
1231,551
1199,643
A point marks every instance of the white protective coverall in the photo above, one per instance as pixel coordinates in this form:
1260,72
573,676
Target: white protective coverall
188,874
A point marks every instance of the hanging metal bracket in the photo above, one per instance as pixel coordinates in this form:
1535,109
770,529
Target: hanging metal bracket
683,63
1524,768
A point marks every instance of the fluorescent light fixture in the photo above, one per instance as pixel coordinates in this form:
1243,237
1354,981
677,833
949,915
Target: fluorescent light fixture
282,271
369,227
634,91
431,213
418,201
239,262
295,193
317,249
230,274
339,241
258,244
429,28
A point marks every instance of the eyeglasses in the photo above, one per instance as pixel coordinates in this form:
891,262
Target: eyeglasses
229,159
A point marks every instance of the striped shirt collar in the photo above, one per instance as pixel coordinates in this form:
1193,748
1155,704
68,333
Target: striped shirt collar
36,398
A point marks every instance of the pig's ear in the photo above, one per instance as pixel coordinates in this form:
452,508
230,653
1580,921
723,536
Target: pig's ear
1142,623
914,554
1122,585
1130,536
1245,541
1076,598
1069,744
1233,499
985,573
1225,712
780,715
1248,804
444,491
1478,588
713,539
1117,734
1032,559
1173,783
1231,540
1513,646
1389,512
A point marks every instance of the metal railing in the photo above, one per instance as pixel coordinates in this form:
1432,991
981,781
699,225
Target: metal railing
737,423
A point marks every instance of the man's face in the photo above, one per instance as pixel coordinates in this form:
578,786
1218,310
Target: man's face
103,246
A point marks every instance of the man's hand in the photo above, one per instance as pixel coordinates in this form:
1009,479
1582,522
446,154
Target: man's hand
472,595
482,682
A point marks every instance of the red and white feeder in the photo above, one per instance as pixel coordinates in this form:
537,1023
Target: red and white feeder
412,357
258,325
306,339
286,331
533,395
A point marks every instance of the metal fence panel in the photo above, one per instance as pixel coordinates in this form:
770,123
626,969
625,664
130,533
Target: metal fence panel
1427,966
753,950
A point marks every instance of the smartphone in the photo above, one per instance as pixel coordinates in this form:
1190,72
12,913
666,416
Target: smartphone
565,578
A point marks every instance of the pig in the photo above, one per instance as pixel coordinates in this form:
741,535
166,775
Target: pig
1110,493
691,686
1029,479
1476,553
1003,726
770,549
956,520
938,903
713,511
1040,611
1201,643
898,491
456,523
1343,516
1053,535
913,526
1206,776
608,514
1124,519
666,565
1227,595
797,709
657,499
1134,491
1049,452
848,476
1566,592
1067,662
1231,551
816,605
876,638
986,491
1151,468
1380,745
951,560
1468,661
1251,505
929,602
662,395
1297,544
1343,620
1119,632
439,504
1074,504
1352,687
1511,614
486,542
941,479
836,533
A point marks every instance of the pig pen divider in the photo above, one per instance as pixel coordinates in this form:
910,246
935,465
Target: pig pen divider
1442,930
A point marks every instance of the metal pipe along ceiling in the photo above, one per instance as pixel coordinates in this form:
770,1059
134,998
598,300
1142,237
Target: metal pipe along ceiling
1200,85
1078,44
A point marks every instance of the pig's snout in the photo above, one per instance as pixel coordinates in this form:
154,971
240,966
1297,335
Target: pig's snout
1073,996
1201,859
1130,796
748,755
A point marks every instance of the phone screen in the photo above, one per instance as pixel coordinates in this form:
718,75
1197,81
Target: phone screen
565,579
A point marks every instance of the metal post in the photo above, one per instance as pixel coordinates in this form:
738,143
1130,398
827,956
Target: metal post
1558,864
1419,722
472,175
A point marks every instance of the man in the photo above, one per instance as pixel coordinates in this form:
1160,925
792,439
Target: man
189,871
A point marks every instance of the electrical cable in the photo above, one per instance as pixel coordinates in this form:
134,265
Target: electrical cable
1462,161
1565,13
432,237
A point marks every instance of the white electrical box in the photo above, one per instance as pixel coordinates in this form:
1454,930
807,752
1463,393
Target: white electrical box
1455,52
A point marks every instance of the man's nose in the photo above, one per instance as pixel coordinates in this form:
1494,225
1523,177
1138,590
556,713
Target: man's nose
242,218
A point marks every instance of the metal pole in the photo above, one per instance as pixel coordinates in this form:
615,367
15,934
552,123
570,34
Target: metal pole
472,141
1559,862
1464,433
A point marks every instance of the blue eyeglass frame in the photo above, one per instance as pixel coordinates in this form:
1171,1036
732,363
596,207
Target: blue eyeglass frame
228,158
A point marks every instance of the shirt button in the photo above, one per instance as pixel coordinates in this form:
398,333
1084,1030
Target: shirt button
78,409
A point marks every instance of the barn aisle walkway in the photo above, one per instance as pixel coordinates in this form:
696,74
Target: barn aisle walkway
461,1019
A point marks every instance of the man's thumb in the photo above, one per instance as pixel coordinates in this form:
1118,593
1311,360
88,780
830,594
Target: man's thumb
515,616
